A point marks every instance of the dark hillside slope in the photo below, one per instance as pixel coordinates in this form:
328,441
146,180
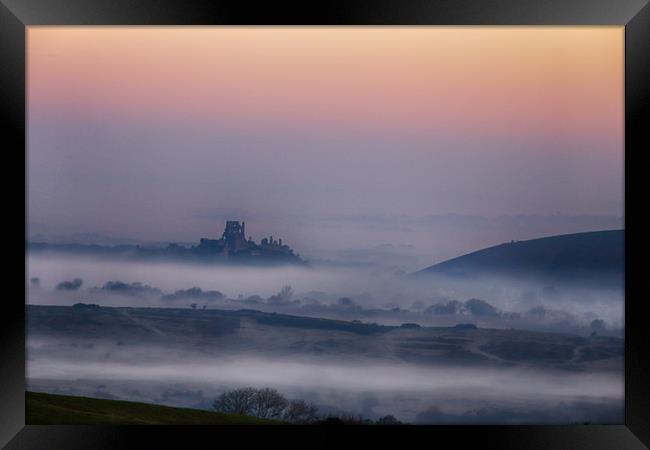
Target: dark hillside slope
593,256
51,409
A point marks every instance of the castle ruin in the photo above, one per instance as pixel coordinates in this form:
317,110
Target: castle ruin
233,244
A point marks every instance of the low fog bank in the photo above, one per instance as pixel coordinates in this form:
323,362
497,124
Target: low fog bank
350,293
409,392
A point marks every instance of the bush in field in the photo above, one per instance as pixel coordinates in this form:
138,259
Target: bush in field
478,307
136,289
194,293
388,420
73,285
284,296
451,307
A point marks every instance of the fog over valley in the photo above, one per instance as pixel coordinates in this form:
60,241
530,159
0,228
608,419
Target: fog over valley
187,357
521,332
409,392
349,293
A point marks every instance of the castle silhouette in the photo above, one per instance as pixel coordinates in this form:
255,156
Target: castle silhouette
233,244
231,248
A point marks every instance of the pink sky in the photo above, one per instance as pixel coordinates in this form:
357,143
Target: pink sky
532,81
163,132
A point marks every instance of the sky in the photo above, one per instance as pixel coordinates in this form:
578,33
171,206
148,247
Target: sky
437,138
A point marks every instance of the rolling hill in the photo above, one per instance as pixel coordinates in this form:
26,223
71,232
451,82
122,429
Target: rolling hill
596,256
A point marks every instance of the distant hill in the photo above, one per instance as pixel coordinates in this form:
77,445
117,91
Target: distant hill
50,409
594,256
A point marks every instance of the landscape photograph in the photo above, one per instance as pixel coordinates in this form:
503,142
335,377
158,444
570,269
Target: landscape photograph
325,225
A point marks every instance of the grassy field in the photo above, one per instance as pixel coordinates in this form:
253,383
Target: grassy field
50,409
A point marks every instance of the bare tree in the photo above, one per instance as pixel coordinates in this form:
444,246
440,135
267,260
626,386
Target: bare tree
269,404
238,401
266,403
299,411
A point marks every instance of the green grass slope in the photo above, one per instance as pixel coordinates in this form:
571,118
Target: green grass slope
50,409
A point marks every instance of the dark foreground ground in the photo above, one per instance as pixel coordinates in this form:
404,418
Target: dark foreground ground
49,409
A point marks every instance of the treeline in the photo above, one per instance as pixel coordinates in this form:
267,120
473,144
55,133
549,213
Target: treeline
268,403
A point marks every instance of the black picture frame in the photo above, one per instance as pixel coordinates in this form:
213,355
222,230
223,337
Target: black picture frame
634,15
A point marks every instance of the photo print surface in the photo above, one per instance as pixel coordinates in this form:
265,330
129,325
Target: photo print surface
367,225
